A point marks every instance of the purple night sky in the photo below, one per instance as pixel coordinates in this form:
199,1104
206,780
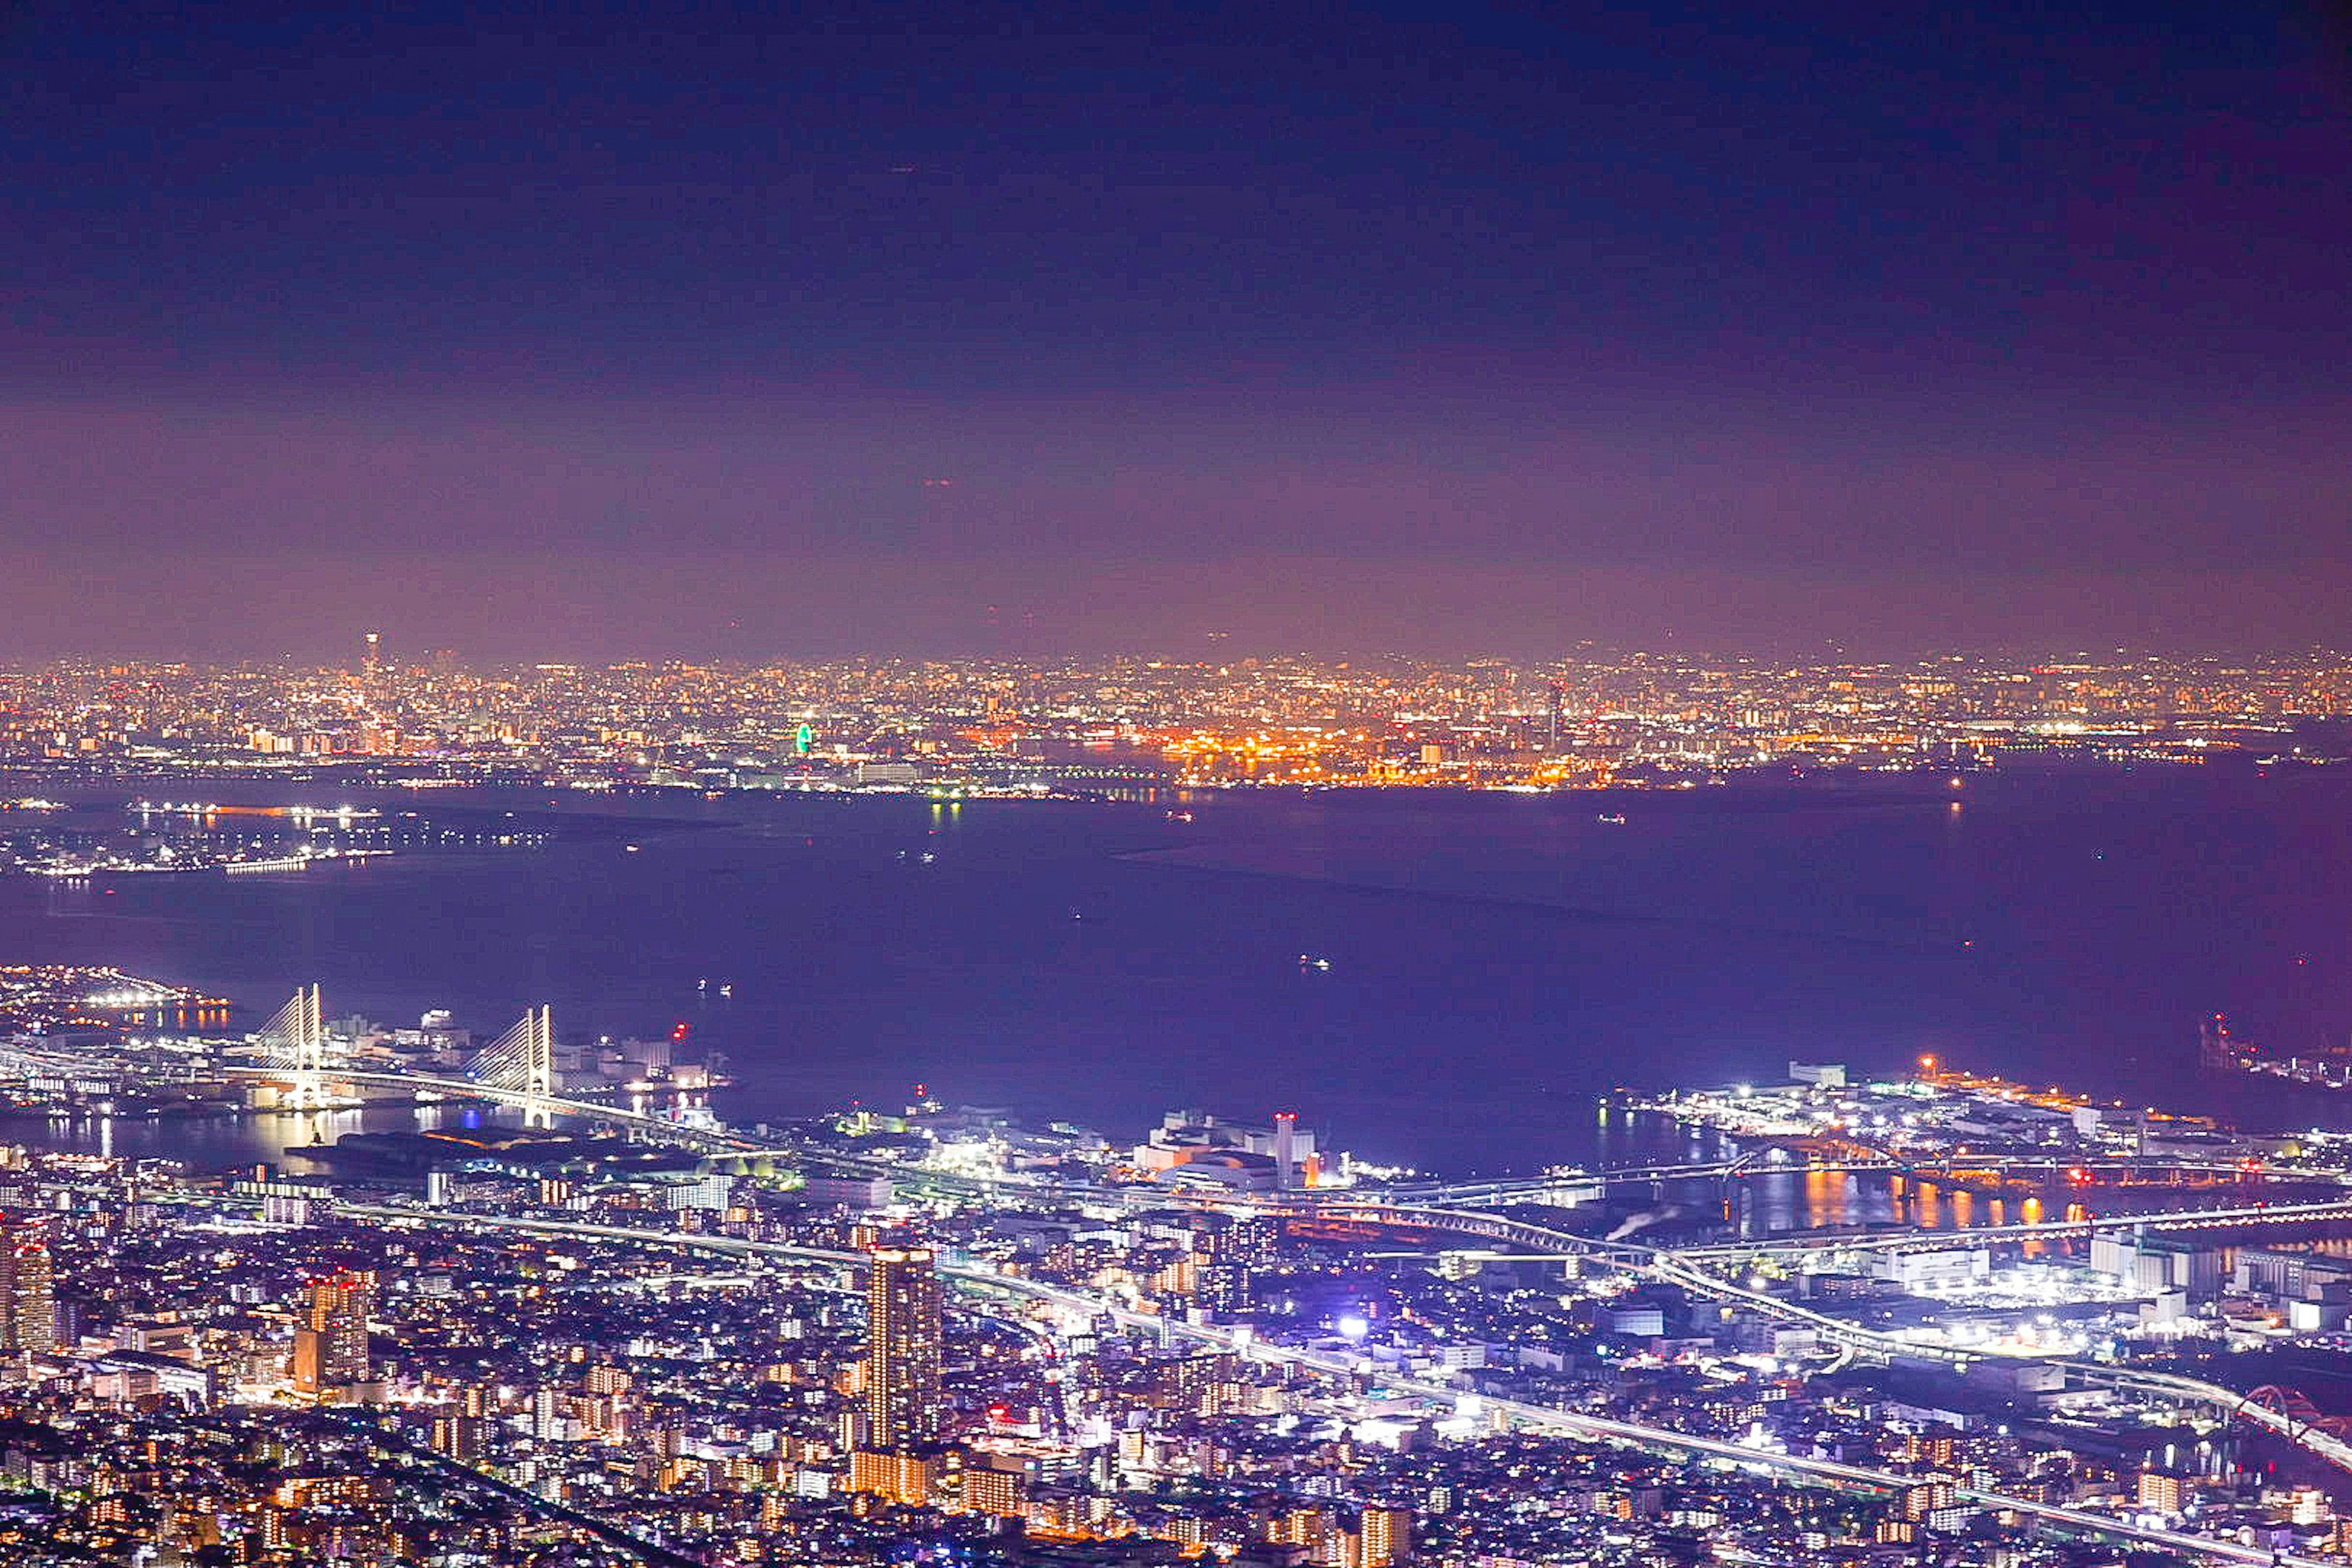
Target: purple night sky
1441,330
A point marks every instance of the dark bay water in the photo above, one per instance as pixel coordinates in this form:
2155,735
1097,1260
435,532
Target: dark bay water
1494,959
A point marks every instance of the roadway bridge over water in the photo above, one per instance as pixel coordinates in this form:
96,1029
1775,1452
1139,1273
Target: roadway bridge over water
19,1059
505,1074
1984,1175
517,1070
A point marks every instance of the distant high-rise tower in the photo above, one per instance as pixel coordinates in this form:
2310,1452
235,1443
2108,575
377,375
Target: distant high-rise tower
902,1349
1227,1260
28,1307
373,660
331,1348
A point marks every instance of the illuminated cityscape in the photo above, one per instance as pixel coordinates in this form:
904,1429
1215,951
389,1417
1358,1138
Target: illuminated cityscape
1028,784
1591,720
620,1334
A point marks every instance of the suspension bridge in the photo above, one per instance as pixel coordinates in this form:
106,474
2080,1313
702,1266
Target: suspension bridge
294,1050
314,1069
518,1068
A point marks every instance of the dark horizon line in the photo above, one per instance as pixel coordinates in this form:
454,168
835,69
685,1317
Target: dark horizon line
1584,650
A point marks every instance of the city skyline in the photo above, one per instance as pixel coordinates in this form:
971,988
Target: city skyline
1025,784
1597,719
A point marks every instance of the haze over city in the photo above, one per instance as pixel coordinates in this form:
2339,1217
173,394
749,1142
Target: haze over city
1442,331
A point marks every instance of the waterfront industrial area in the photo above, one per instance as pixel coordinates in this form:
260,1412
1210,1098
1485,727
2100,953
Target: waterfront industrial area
528,1297
77,842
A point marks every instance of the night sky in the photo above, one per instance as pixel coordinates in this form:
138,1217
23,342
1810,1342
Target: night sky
1443,329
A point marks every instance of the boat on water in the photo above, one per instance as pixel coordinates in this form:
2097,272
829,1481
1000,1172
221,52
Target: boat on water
1613,818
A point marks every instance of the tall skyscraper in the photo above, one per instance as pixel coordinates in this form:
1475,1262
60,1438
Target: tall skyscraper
1228,1260
29,1308
372,663
902,1349
331,1347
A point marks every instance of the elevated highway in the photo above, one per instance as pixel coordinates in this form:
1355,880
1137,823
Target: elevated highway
1683,1268
1983,1174
2235,1217
1436,1207
1538,1417
1676,1268
717,1141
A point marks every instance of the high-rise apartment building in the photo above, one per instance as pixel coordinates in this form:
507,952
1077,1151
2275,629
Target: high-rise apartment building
331,1346
1386,1536
29,1308
1002,1493
902,1349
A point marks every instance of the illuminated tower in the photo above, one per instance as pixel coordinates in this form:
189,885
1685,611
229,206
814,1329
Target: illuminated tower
373,660
331,1348
1229,1257
902,1349
29,1308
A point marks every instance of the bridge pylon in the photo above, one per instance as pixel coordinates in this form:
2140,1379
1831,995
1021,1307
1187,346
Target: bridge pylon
539,1065
522,1062
294,1040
